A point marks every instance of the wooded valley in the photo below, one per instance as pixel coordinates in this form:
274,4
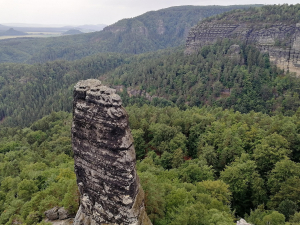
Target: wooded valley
216,132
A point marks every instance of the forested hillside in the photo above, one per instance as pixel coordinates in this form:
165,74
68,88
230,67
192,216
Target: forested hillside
216,132
149,32
227,75
28,92
268,14
216,76
203,166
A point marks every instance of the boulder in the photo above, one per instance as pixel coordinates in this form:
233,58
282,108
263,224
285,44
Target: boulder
63,213
52,214
242,222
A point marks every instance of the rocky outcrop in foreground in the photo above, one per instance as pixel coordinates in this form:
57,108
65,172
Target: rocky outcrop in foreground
267,38
57,213
110,192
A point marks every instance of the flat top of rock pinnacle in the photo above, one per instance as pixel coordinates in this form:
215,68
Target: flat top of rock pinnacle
98,93
87,84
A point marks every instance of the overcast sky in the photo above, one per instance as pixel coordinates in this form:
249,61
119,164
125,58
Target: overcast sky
79,12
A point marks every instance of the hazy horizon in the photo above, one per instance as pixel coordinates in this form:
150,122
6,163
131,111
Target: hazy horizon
46,25
94,12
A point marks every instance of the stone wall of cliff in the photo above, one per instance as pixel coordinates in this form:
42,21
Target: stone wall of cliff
110,192
281,41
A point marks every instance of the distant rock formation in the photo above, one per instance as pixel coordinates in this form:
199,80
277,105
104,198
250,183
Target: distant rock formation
110,192
135,92
267,39
242,222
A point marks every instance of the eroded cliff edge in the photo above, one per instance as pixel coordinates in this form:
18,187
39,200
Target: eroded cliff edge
281,41
110,192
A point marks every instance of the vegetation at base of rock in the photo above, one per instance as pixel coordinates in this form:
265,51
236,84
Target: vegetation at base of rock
37,170
192,164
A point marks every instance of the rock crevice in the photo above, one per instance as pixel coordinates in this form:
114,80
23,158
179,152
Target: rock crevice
110,192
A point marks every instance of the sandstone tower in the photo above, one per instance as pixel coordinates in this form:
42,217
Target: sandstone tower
110,192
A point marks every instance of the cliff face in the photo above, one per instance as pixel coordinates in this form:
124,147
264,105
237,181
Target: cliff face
281,41
110,192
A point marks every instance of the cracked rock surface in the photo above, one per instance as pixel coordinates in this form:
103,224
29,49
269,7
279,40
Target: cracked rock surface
110,192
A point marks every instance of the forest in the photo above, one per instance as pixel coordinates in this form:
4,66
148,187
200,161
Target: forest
268,14
216,133
213,77
197,166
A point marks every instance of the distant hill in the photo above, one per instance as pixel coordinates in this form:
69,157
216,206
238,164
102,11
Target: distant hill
51,28
41,29
148,32
72,32
12,32
158,29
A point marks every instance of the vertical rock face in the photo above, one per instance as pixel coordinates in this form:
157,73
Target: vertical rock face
110,192
287,57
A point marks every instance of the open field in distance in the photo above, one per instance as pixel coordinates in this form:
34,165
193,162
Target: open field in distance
34,35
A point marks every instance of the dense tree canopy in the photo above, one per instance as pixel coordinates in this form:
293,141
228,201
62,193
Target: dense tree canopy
209,77
197,166
217,134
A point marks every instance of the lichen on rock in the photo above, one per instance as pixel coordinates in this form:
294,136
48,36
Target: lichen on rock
110,192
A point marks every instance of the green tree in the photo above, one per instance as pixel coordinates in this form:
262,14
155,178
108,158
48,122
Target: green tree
245,183
217,189
290,190
71,198
272,149
192,171
177,158
283,170
154,196
275,218
295,219
287,208
139,143
26,188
